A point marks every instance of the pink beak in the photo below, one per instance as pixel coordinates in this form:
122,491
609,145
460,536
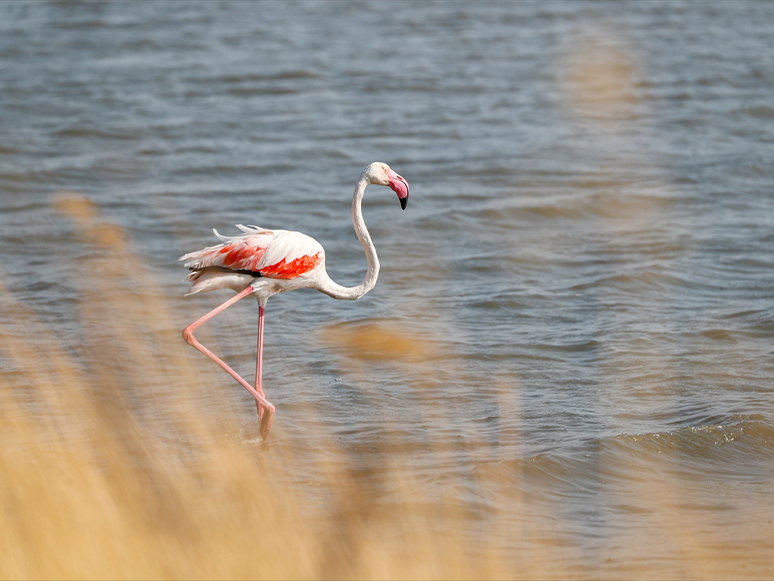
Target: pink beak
399,186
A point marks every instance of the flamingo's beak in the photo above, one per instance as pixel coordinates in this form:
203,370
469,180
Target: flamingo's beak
400,187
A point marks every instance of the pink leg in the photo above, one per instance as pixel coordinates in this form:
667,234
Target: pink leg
259,360
258,395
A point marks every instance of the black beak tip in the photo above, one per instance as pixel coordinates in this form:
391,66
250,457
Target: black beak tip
404,203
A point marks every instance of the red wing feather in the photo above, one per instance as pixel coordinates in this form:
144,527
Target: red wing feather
240,256
293,268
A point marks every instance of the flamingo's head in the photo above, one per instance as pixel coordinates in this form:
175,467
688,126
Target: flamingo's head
380,174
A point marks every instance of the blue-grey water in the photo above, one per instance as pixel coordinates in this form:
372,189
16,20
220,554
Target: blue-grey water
576,308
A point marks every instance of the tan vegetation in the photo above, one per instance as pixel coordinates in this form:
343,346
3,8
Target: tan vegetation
97,483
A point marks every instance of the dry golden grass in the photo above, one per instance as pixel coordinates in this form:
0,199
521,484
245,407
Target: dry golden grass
96,485
91,488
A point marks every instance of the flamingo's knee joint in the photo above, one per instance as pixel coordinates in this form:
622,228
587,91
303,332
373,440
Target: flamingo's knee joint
188,335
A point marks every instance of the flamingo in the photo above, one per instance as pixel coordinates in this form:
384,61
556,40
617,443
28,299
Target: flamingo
262,263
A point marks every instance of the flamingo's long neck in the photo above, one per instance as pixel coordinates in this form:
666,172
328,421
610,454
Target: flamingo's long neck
337,291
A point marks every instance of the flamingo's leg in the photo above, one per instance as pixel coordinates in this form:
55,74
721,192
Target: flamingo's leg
261,401
259,360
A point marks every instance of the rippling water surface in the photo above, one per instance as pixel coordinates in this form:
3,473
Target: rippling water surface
575,311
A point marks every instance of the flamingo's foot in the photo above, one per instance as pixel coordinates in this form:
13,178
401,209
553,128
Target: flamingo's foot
265,419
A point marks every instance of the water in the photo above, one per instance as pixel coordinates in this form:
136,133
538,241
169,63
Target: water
576,307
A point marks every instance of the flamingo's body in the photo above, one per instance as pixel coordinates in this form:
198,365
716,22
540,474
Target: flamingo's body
285,260
266,262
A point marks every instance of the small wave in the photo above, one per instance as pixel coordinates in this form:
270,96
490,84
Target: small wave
90,132
220,169
699,439
590,345
84,24
258,91
762,112
252,77
738,449
498,303
718,334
